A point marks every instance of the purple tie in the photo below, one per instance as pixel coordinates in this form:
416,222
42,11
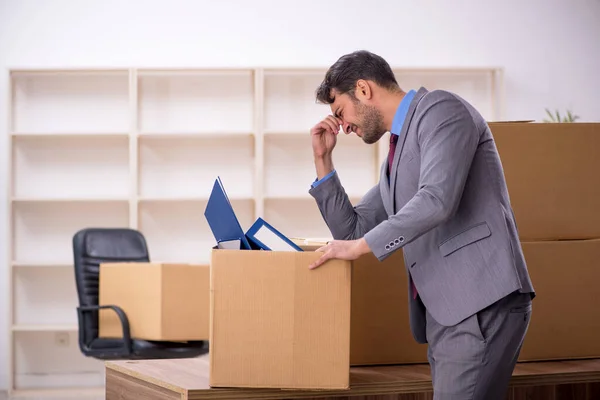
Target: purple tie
393,141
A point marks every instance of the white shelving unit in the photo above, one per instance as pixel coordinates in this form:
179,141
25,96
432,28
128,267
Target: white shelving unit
141,148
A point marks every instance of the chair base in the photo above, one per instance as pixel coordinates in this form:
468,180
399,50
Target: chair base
111,349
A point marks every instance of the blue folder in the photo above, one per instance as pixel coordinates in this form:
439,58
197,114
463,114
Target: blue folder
222,219
265,237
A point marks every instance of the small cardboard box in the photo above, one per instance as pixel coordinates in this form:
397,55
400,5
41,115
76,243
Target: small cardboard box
277,324
565,321
165,302
551,171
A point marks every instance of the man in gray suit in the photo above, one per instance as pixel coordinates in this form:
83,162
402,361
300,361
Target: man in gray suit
443,199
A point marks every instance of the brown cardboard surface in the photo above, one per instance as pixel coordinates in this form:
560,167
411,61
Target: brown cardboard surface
565,320
379,331
275,323
552,176
161,301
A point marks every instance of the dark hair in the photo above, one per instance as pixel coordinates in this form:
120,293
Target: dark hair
348,69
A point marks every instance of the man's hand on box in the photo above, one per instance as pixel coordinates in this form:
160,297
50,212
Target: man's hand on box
342,250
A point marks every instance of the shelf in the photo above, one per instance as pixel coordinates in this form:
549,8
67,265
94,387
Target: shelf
43,232
181,234
45,328
290,103
70,102
201,102
43,265
296,218
279,133
60,394
195,72
311,72
307,197
45,296
71,135
80,167
187,199
141,148
188,167
194,135
290,170
69,200
36,366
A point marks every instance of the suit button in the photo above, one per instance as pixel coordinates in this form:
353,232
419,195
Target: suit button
396,241
401,239
387,246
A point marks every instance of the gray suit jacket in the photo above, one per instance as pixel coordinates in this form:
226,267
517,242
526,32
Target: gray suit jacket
447,206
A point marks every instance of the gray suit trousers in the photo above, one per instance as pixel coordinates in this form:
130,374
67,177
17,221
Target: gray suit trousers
475,359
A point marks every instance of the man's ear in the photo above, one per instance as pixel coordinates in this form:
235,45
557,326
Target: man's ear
363,90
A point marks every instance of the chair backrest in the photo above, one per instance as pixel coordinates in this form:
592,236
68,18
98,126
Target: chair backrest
94,246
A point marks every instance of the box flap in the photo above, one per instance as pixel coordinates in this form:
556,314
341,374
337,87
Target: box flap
311,244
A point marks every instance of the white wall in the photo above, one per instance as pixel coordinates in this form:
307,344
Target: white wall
549,48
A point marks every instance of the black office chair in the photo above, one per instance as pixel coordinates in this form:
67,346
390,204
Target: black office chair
91,247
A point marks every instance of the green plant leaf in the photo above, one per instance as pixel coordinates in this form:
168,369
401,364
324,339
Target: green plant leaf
550,115
556,117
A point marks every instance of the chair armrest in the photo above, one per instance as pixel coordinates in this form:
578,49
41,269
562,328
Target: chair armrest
81,310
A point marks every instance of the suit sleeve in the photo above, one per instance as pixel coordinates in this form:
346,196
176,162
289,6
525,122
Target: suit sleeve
345,221
448,139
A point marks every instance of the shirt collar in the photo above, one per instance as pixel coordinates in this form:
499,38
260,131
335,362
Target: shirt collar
401,112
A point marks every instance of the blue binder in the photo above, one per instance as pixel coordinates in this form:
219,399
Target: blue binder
222,219
265,237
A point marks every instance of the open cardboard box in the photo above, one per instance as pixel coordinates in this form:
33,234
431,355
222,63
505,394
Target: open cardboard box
275,323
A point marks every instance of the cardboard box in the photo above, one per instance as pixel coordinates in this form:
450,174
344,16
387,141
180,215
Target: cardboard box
166,302
380,328
565,321
277,324
551,171
563,325
379,325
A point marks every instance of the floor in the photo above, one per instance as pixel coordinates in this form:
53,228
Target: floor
4,394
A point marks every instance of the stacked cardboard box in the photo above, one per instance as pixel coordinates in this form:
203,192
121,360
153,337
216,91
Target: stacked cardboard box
565,322
552,173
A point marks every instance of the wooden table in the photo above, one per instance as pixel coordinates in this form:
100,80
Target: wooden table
187,379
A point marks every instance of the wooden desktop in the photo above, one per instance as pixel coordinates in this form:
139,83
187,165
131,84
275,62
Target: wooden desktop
187,379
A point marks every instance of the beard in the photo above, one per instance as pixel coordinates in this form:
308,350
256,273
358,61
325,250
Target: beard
372,123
